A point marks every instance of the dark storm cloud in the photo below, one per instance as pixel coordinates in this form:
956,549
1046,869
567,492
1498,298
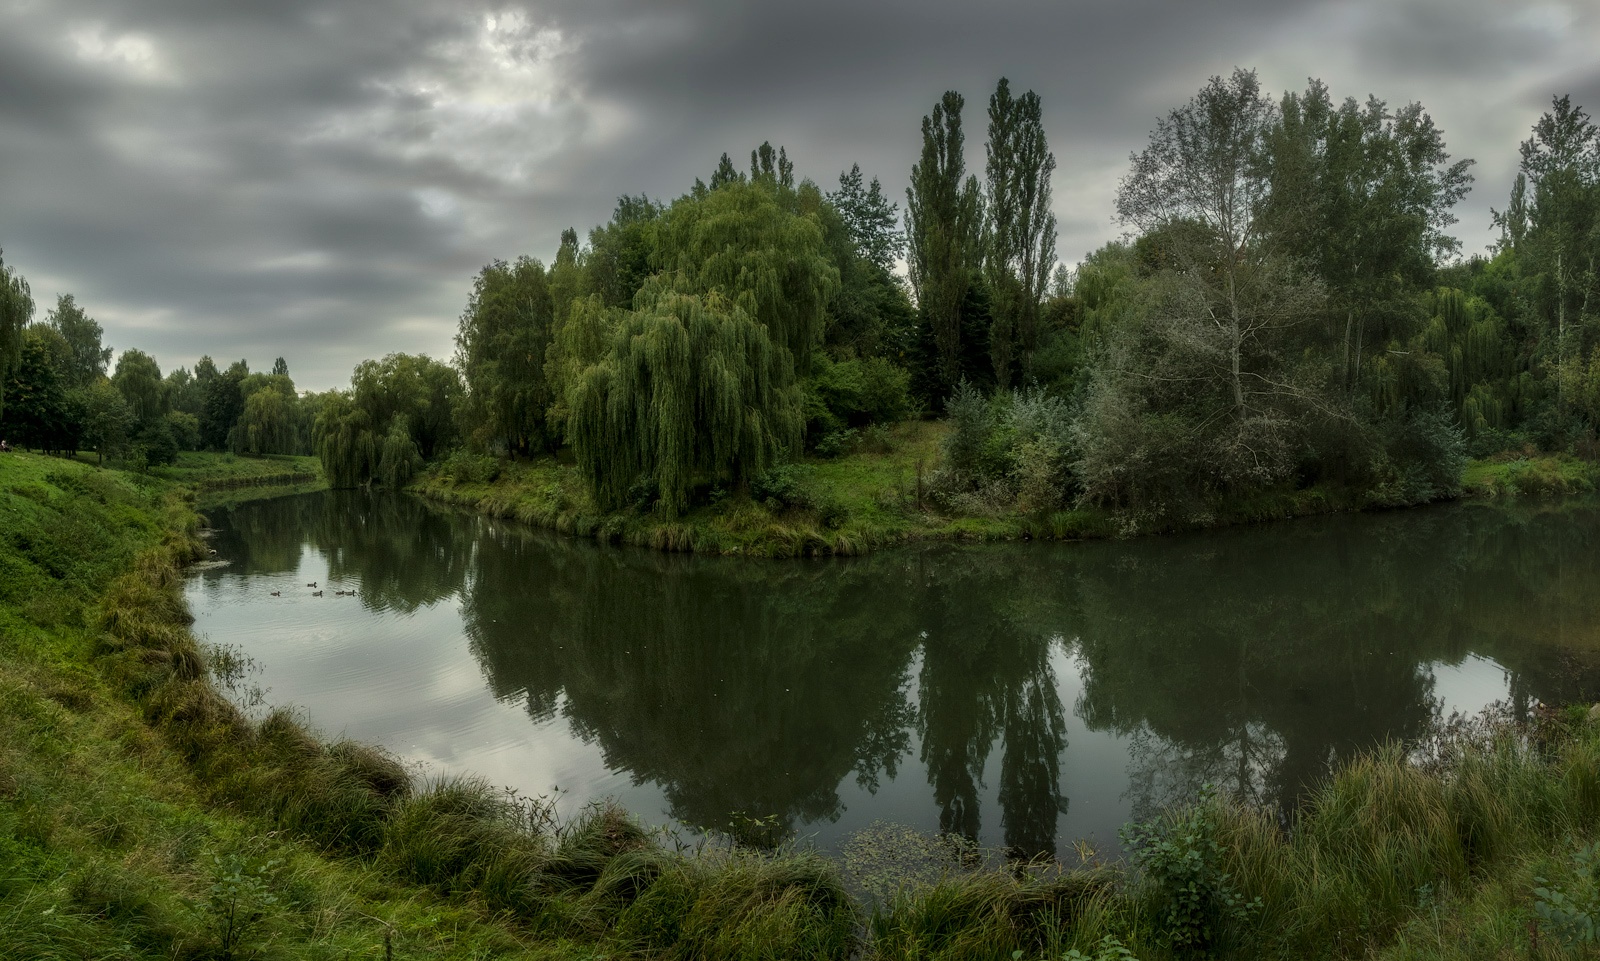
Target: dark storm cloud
322,181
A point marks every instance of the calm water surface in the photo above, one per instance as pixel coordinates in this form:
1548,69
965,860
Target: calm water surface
1025,695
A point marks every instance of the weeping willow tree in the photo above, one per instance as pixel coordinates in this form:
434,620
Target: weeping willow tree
760,244
580,341
398,456
1464,358
690,385
344,441
267,425
399,412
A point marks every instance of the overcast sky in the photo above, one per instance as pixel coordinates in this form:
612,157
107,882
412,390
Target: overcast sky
322,180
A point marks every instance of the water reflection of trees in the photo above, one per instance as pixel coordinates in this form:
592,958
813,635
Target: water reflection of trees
1250,659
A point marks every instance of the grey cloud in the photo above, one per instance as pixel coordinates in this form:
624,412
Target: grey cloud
322,180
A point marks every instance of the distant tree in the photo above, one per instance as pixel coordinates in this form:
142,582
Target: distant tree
1561,245
726,173
184,392
224,403
944,220
873,222
87,358
775,168
280,368
16,310
399,412
108,421
138,377
1020,231
1198,390
267,424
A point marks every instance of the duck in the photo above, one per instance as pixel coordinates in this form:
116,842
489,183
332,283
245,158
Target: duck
316,593
277,593
312,584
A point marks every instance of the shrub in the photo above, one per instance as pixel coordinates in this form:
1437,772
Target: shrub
467,468
783,486
1180,859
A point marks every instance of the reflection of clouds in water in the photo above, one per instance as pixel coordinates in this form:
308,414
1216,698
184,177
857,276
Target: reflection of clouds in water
1023,695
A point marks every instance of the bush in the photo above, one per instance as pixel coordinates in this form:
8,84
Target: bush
783,486
467,468
1180,859
1424,454
854,393
971,424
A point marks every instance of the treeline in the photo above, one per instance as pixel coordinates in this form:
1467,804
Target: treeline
62,395
1287,310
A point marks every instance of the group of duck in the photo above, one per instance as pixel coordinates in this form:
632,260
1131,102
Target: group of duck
317,592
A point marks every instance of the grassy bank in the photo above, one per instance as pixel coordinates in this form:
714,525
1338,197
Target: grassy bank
224,478
884,493
1528,473
142,816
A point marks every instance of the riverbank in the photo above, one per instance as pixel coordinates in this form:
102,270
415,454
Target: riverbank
142,815
884,494
220,479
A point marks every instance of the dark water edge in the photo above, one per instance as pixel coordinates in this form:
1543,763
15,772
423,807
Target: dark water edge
1024,695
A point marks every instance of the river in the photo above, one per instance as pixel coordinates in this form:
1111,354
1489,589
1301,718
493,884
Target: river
1024,695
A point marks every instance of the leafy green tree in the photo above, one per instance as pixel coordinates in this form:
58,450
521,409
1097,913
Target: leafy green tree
620,252
417,388
691,384
872,220
87,359
184,392
944,222
108,421
267,425
37,414
741,241
399,412
1364,196
1199,392
16,310
345,442
775,168
280,368
501,345
726,173
138,377
1561,163
1020,232
224,402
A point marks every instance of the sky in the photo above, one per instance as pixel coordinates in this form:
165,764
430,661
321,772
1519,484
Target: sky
322,180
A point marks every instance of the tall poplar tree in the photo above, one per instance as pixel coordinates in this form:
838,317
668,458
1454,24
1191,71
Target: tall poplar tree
944,222
1020,234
